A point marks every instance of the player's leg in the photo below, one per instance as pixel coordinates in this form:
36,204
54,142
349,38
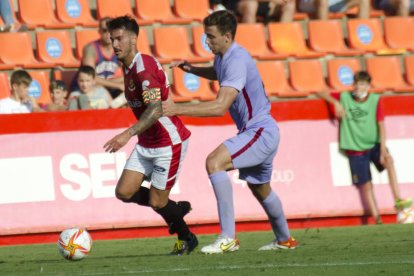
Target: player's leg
361,178
388,164
167,164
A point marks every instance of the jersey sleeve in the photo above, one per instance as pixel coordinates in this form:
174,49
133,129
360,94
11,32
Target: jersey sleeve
380,111
151,87
336,95
235,75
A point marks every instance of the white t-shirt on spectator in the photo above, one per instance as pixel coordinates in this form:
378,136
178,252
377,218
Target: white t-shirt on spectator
9,106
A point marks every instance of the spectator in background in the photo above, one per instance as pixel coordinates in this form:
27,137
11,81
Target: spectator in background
19,100
362,139
100,55
89,95
395,7
320,9
279,10
59,95
6,14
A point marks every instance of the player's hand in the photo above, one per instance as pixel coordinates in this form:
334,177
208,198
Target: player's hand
117,142
168,107
183,65
384,156
339,110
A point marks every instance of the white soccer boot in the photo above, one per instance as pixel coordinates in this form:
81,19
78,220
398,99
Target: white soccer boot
221,245
291,243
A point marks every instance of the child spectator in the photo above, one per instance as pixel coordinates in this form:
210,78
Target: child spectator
362,139
89,95
59,95
19,100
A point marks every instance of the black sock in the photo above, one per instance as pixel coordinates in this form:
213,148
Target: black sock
172,214
141,197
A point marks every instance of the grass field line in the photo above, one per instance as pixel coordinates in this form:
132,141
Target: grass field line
260,266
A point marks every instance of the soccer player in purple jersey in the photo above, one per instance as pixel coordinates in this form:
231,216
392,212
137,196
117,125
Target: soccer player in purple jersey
252,150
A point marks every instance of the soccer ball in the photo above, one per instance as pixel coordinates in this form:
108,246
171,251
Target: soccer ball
406,216
74,244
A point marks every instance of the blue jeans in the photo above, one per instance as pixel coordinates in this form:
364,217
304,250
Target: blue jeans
6,12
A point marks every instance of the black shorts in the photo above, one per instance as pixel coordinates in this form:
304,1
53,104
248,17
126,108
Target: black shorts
360,165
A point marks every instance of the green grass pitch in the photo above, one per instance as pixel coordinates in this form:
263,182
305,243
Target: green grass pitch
363,250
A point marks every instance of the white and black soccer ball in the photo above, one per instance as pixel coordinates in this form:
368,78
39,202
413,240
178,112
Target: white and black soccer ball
406,216
74,244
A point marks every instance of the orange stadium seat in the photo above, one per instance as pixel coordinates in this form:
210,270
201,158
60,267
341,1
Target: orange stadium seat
341,73
199,42
158,11
386,74
143,44
288,38
67,76
189,85
275,81
399,32
409,69
257,45
54,47
4,86
326,36
21,56
109,8
82,38
189,10
40,13
75,12
307,76
166,51
4,66
39,88
366,35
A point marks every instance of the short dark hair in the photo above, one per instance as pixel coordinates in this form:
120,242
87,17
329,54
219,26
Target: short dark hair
225,21
124,22
86,69
362,76
58,84
20,77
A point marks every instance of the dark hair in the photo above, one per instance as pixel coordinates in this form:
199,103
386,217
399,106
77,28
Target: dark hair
124,22
20,77
362,76
225,21
58,84
105,19
86,69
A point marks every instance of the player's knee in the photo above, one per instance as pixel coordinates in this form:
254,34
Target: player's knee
212,165
122,195
155,203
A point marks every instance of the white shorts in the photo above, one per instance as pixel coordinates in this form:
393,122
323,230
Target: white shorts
161,166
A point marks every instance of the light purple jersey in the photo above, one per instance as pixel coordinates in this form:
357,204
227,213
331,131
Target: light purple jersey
237,69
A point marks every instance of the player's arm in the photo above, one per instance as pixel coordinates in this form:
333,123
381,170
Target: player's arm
216,108
152,98
326,95
204,72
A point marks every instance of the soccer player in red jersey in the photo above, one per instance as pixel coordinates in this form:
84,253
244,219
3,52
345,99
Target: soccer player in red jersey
162,141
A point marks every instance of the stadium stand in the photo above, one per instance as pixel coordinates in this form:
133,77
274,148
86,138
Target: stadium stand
386,74
83,37
4,86
257,47
409,70
40,13
54,47
166,51
16,50
192,86
367,35
75,12
158,11
399,32
39,88
341,73
187,9
307,76
288,38
326,36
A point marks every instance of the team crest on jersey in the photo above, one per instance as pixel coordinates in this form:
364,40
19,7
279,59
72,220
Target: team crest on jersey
131,85
145,85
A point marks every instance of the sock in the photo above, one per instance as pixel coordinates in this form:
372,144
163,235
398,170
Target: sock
274,210
172,214
224,194
141,197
